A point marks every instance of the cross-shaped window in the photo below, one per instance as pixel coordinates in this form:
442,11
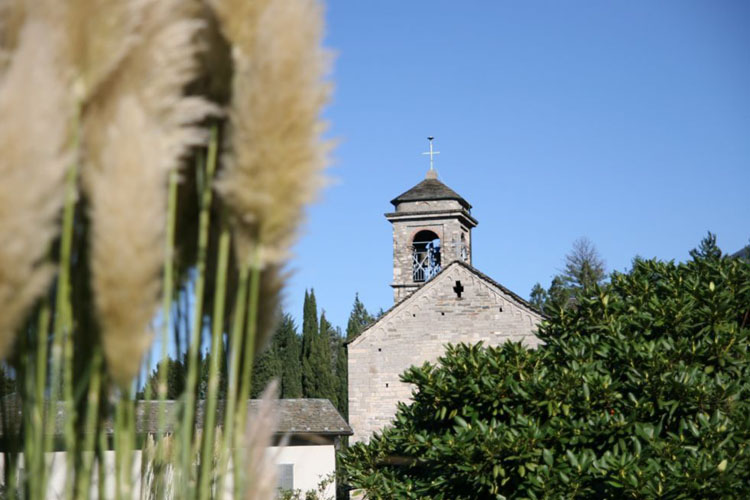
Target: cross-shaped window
458,289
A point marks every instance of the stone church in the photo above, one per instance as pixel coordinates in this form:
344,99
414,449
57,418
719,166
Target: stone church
439,298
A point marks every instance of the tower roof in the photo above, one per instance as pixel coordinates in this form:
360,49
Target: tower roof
430,189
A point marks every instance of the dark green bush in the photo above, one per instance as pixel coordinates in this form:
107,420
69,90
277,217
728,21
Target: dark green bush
641,391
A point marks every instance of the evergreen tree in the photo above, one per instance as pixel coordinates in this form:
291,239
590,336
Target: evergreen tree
309,334
584,270
342,380
538,296
175,380
320,361
266,367
204,366
289,356
359,318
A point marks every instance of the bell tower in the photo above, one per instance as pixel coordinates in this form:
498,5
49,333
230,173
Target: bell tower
431,228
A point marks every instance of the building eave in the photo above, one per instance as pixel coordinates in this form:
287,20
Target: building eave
433,214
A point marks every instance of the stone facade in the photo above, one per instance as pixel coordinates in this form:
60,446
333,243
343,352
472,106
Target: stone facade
416,330
458,304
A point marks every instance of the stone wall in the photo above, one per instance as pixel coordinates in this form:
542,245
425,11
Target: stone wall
417,330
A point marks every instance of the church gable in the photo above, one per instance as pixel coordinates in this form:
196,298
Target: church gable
462,290
417,329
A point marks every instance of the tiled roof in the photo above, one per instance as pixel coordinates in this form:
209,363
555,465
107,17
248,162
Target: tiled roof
294,416
318,416
430,189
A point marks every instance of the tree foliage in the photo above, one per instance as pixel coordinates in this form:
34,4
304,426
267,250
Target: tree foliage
280,360
267,366
321,364
289,353
584,270
359,318
175,379
309,334
641,391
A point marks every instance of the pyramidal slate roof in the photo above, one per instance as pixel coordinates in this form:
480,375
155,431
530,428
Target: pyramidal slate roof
430,189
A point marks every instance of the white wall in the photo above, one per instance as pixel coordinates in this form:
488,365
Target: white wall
311,465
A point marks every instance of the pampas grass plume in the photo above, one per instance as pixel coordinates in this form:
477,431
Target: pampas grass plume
35,138
137,126
275,154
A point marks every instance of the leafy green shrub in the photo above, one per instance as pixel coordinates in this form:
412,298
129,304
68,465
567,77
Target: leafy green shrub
319,493
641,391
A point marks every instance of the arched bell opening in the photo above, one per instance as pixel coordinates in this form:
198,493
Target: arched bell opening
426,256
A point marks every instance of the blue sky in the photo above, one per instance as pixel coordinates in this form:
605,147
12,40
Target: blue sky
625,122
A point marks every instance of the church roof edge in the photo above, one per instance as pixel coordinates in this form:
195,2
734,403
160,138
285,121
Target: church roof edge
471,268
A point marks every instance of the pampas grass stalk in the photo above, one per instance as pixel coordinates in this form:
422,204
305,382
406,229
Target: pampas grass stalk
167,294
83,479
61,370
217,333
235,337
35,456
196,327
249,354
124,441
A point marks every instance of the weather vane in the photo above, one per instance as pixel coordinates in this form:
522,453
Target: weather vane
431,152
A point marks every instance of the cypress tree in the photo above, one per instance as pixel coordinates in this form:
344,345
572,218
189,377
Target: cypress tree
342,379
320,360
309,334
289,356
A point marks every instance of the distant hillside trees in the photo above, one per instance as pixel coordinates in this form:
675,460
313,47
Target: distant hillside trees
642,390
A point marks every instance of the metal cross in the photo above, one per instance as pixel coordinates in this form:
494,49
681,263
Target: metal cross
431,152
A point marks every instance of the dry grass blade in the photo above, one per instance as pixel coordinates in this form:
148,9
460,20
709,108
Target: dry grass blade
136,128
275,152
35,137
260,476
